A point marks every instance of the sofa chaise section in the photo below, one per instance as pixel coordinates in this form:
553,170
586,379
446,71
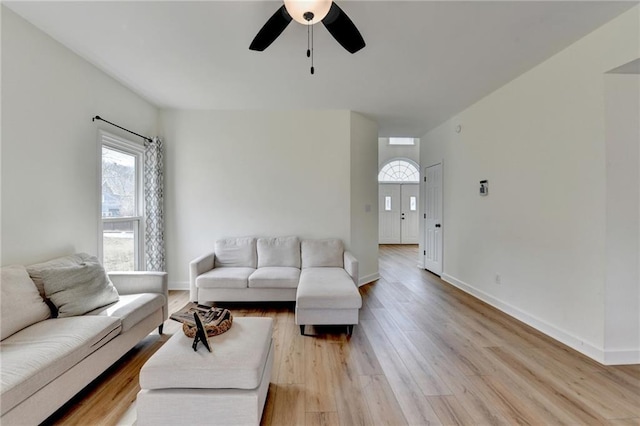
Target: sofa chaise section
327,292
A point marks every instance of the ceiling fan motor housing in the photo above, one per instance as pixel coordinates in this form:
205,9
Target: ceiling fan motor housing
299,10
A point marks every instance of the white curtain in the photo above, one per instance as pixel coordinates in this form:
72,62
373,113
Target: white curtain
154,205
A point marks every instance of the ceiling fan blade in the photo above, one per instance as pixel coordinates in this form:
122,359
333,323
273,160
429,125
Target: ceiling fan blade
271,30
343,30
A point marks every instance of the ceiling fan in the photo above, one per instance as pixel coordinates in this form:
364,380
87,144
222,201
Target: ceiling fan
310,12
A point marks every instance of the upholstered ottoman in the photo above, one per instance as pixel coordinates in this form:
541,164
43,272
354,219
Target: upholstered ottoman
226,386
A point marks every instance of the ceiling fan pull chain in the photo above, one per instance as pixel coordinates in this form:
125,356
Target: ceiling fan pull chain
308,51
312,68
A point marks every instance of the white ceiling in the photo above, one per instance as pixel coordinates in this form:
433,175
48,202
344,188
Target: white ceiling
424,60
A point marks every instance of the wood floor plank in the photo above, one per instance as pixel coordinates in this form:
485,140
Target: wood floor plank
548,385
424,376
513,407
288,405
624,422
414,404
450,411
480,409
319,387
291,369
382,403
322,419
609,401
363,355
352,408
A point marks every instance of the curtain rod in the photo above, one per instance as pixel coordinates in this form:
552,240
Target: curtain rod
97,117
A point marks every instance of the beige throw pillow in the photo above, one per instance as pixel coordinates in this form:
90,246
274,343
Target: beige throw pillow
78,289
35,271
20,303
322,253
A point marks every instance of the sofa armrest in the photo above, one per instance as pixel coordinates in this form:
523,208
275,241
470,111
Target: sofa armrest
136,282
351,266
197,267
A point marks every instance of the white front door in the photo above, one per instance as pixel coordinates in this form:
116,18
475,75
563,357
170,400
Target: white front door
433,211
398,213
389,214
409,221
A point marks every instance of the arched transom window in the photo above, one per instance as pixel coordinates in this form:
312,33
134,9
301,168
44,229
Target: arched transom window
399,171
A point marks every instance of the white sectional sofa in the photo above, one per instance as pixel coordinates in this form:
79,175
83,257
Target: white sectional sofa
316,273
46,360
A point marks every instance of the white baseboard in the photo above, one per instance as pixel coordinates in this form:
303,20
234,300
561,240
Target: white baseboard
368,279
550,330
622,357
178,285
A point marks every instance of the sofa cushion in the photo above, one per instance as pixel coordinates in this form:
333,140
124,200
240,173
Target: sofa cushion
327,288
275,277
283,251
236,252
238,360
225,278
132,308
35,271
78,289
20,303
322,253
35,356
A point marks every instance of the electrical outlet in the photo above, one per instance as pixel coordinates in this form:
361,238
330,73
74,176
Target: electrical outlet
498,279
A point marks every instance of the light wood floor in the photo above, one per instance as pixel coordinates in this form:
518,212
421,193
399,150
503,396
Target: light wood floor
424,353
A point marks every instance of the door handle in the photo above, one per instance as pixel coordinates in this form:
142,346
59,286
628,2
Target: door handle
437,225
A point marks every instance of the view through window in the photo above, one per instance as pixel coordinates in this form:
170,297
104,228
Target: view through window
121,205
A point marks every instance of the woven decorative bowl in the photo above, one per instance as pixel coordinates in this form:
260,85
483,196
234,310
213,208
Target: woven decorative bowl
212,330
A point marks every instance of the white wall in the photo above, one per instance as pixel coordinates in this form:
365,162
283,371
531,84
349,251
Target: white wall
388,152
622,288
364,195
540,142
262,173
50,203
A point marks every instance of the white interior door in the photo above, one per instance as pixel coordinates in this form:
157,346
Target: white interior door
433,226
409,221
389,214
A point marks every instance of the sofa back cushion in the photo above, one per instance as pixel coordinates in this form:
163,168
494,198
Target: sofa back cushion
78,289
283,251
322,253
236,252
20,303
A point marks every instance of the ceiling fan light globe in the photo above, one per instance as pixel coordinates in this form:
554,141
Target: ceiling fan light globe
297,9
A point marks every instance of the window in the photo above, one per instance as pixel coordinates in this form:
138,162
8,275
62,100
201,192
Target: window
413,204
402,141
399,171
121,241
387,203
